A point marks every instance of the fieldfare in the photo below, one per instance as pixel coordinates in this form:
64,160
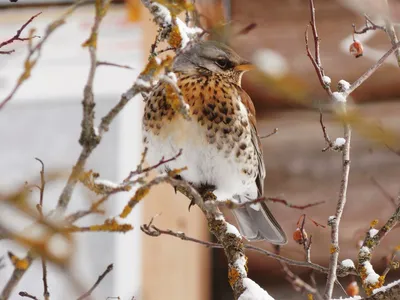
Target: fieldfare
220,145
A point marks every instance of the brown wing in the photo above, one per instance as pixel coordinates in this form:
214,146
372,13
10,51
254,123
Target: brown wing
255,139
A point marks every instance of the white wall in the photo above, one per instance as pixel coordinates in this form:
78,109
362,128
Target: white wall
43,120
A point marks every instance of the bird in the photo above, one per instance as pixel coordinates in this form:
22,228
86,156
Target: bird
219,142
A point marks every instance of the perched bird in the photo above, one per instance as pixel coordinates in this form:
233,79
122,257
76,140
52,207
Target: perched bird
220,145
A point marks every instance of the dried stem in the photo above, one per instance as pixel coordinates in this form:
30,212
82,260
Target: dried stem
101,277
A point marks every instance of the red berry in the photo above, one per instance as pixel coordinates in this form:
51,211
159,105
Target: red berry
356,49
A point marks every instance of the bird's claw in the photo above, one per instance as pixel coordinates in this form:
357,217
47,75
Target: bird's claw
192,203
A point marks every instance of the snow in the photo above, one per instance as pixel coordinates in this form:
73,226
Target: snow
271,62
373,232
348,263
372,277
254,291
331,218
240,264
339,142
339,97
142,83
327,80
386,287
162,14
364,251
172,76
344,85
96,130
106,183
232,229
220,217
255,206
187,33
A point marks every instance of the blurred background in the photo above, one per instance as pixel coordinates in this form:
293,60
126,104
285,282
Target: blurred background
43,120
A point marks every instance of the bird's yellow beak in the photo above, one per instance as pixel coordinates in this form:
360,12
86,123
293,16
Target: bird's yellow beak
245,67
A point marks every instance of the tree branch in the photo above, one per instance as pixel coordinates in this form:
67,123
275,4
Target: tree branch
101,277
17,37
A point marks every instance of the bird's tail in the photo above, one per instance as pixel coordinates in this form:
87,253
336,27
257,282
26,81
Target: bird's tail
259,224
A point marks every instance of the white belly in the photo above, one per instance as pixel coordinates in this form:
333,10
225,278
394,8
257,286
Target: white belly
205,163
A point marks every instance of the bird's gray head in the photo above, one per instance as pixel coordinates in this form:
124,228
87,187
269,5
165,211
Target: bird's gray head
207,57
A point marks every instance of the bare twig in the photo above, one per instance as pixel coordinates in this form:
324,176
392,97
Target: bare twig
101,277
106,63
371,70
325,133
369,25
391,32
17,37
384,192
230,204
27,295
162,161
30,61
42,186
334,250
332,274
154,231
316,60
299,284
275,131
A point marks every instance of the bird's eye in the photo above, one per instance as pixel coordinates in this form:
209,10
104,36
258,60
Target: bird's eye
223,63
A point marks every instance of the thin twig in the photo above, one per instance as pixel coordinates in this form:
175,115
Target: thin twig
106,63
42,186
17,37
30,62
371,70
162,161
369,25
101,277
230,204
325,133
154,231
275,131
391,32
384,192
27,295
